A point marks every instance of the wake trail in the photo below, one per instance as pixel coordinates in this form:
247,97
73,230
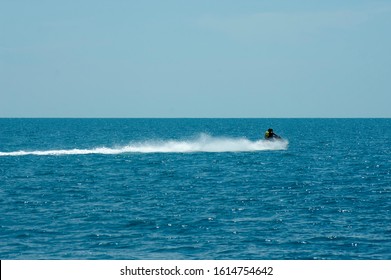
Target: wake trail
204,143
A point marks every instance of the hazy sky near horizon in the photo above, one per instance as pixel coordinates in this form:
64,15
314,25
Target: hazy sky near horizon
204,58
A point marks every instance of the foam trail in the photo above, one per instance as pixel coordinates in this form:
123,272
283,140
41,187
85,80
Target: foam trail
204,143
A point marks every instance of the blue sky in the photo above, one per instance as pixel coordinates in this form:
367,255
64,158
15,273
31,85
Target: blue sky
275,58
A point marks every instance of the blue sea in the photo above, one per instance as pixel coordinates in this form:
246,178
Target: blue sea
195,189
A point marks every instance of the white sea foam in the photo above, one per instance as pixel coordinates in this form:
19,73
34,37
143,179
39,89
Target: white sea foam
203,143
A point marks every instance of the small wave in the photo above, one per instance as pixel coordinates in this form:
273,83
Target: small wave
204,143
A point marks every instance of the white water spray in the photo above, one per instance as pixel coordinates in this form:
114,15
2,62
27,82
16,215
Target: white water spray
203,143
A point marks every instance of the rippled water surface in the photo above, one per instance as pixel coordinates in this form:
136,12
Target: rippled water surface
195,189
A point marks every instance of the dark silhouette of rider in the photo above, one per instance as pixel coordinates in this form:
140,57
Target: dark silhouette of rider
269,135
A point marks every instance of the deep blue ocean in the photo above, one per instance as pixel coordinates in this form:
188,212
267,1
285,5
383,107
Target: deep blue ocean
195,189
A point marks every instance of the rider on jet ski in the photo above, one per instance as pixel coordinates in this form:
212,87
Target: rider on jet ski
269,135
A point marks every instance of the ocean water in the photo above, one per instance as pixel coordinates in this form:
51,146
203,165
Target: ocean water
195,189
